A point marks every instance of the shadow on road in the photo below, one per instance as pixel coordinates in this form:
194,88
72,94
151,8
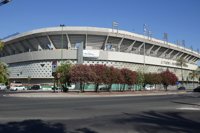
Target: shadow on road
31,126
154,122
146,122
38,126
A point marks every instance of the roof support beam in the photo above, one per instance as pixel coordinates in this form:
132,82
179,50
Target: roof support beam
175,56
187,58
169,55
69,43
149,50
51,42
196,60
156,51
139,48
119,44
164,53
129,49
86,40
192,59
38,43
178,57
106,41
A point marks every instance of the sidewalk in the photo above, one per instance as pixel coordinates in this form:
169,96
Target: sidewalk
94,94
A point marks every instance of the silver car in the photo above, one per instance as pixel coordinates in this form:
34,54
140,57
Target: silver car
17,88
3,86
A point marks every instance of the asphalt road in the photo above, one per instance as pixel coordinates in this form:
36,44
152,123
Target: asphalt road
143,114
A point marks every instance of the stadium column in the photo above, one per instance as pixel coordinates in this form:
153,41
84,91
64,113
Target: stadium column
80,54
62,25
79,61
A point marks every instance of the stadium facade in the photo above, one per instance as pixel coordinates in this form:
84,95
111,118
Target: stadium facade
34,53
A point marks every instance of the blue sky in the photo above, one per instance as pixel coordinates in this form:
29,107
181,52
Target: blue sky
179,18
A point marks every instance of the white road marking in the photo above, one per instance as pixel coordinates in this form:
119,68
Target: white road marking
189,108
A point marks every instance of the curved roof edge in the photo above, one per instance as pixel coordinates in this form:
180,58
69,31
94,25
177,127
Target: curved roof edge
94,29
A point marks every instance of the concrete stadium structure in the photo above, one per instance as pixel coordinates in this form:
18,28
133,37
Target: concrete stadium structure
31,54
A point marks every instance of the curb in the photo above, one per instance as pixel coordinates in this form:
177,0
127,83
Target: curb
80,95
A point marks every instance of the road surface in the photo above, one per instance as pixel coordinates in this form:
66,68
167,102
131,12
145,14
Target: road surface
141,114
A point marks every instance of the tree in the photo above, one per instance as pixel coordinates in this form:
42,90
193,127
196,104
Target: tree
3,73
99,71
152,78
168,78
116,76
140,78
129,77
109,76
64,72
181,62
82,74
157,79
148,78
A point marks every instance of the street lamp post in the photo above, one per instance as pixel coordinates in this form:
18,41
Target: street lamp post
62,25
145,33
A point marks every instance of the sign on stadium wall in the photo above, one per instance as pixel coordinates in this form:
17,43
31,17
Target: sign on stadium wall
91,53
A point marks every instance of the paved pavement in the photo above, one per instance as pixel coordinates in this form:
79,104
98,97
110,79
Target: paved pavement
91,94
141,114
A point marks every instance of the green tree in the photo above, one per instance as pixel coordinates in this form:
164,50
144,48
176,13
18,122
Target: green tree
140,78
3,73
64,74
181,62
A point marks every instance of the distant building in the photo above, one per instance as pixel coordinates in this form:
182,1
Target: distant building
34,53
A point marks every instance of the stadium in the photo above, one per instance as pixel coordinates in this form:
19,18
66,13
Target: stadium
34,54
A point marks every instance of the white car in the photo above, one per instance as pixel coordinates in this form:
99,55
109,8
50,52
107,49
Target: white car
3,86
71,86
149,87
17,88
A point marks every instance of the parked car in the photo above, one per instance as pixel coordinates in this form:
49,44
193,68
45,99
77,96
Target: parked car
197,89
149,87
103,87
35,87
71,86
3,86
17,88
181,88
